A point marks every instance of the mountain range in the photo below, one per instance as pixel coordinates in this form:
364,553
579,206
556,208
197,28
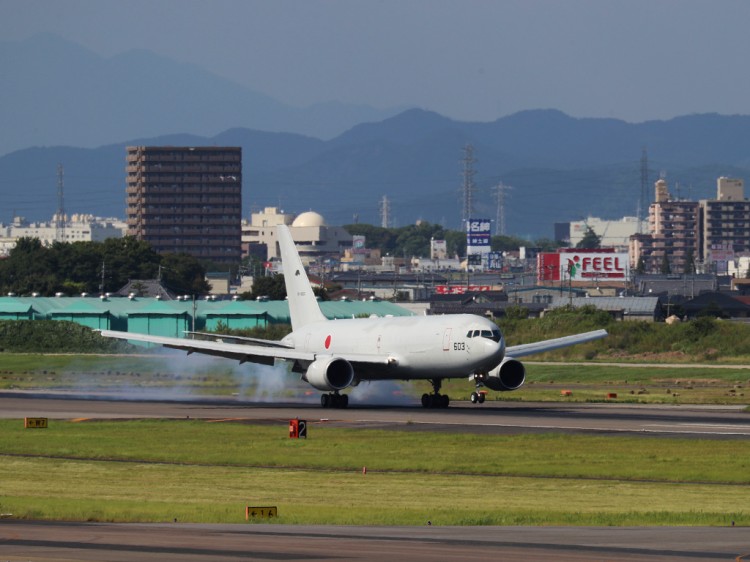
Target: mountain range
338,160
58,92
560,168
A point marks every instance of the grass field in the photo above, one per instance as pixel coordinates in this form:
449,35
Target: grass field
200,375
208,472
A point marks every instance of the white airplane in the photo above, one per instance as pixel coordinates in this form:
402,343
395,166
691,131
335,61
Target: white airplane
333,355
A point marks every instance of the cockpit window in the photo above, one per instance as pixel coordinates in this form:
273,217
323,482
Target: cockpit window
469,334
476,333
491,334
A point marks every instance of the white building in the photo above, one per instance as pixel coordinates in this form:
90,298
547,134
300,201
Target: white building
80,228
261,229
315,240
614,233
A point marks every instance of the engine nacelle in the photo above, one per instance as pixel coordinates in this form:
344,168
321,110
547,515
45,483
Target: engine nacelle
331,373
508,375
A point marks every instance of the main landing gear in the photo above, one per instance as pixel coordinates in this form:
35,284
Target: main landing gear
334,400
435,400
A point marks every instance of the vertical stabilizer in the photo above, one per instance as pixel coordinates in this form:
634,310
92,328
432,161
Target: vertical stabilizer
303,306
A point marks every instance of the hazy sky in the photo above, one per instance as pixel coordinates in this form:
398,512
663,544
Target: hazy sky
466,59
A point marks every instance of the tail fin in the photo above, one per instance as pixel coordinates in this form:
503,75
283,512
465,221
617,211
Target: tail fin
303,306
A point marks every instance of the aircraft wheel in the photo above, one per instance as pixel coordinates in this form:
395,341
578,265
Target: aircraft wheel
325,400
481,398
426,402
474,397
343,400
444,400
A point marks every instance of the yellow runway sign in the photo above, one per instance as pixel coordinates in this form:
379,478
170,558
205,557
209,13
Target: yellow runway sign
35,422
260,512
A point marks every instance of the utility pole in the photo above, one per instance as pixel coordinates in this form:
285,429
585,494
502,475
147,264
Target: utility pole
500,191
468,187
60,219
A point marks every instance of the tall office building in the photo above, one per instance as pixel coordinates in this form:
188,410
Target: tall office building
186,200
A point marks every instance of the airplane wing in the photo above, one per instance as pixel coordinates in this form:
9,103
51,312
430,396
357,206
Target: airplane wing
241,352
516,351
244,353
241,339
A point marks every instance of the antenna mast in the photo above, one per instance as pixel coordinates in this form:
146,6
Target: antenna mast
60,217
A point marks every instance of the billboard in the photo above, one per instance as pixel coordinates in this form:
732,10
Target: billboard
478,234
572,265
438,249
358,244
478,240
460,289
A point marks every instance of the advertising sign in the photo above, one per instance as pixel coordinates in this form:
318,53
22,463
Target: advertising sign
439,249
495,260
460,289
358,244
580,266
478,233
478,240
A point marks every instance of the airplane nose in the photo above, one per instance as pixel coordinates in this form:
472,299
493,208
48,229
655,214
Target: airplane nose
493,349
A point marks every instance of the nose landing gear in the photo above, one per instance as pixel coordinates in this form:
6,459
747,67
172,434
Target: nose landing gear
478,397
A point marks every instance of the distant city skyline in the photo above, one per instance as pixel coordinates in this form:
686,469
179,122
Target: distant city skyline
472,60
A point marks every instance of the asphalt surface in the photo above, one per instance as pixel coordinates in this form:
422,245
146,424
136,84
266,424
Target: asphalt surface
42,541
707,422
59,541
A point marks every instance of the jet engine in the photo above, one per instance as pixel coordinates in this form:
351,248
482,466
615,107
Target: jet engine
331,373
508,375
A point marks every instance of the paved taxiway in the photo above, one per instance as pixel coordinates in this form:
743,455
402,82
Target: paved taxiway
27,541
708,422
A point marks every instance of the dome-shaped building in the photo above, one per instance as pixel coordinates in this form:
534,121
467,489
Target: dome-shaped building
315,240
309,219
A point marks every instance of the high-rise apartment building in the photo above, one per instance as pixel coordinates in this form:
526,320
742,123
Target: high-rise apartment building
725,224
673,234
186,200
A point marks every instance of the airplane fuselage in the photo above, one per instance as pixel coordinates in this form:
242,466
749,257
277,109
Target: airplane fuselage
412,347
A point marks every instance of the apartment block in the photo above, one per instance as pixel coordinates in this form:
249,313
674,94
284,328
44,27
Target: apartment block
186,200
673,233
725,224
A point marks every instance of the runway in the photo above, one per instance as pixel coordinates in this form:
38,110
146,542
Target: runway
58,541
708,422
41,541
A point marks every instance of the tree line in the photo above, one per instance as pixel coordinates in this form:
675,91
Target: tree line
95,268
414,240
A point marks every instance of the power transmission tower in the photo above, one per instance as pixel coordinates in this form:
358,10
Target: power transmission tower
468,187
500,192
385,212
60,218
